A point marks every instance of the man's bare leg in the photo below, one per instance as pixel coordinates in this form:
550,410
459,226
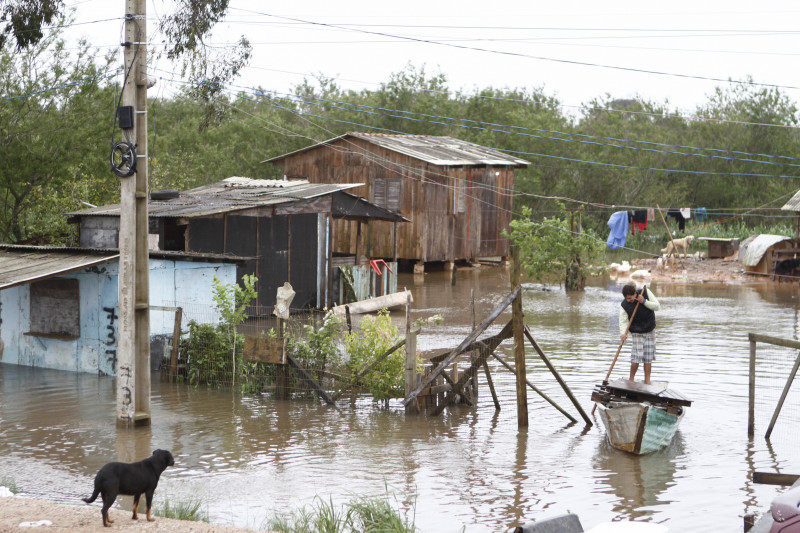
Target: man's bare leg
647,368
634,368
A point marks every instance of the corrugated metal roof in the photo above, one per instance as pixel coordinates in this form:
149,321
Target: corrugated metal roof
25,264
793,204
442,151
232,194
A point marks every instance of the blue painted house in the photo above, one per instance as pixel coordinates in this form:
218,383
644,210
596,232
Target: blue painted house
58,306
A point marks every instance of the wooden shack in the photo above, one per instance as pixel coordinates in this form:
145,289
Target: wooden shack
457,195
283,229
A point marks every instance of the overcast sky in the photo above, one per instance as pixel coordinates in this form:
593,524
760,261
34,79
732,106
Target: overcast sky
577,50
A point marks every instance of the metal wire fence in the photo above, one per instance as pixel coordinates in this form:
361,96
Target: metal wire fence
775,401
312,353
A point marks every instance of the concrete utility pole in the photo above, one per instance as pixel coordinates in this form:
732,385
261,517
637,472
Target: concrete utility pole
133,345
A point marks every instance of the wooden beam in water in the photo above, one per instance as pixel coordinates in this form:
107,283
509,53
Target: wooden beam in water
486,348
491,386
536,389
558,377
771,478
311,381
466,342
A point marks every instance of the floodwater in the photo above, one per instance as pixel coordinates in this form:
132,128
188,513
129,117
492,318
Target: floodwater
248,458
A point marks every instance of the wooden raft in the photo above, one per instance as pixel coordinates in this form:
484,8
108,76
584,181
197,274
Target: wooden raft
623,390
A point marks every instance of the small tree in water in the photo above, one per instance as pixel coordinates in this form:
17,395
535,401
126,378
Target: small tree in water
555,246
231,302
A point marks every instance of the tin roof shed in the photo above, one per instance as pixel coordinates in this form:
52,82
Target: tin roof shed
282,227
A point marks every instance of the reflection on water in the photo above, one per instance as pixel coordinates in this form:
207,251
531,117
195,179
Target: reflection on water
637,481
250,457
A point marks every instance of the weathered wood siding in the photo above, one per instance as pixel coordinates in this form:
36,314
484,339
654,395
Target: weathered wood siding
455,212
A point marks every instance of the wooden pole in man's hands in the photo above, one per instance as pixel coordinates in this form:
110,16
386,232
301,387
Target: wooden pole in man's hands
621,343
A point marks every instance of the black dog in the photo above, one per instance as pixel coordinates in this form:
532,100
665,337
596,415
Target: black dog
132,479
787,266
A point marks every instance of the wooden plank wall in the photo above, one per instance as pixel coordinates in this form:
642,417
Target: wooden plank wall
443,227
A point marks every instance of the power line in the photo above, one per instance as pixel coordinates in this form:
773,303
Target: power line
528,56
522,130
612,165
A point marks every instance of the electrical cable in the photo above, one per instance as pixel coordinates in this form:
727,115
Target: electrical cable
123,153
528,56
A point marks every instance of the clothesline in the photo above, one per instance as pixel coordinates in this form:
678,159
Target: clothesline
637,219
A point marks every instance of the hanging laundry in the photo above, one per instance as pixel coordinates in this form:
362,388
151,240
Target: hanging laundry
686,212
618,222
651,214
700,214
639,220
678,216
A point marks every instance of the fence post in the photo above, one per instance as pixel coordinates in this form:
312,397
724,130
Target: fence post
176,341
282,370
474,354
519,341
411,357
751,408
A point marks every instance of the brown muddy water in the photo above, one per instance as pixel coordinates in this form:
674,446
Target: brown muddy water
248,458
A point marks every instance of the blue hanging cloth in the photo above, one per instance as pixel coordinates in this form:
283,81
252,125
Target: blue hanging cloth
700,214
619,230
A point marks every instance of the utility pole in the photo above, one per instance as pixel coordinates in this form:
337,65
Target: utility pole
133,345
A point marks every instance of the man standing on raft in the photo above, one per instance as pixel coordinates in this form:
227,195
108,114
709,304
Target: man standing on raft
642,327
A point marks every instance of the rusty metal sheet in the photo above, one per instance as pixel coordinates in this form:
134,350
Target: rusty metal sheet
263,350
23,264
227,196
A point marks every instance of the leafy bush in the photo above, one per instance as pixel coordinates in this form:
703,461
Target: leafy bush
207,350
319,346
9,483
378,334
214,352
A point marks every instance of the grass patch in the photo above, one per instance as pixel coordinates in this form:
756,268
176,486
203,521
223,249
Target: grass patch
361,515
182,510
10,484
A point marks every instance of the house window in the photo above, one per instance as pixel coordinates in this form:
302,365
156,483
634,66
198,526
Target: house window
55,308
387,193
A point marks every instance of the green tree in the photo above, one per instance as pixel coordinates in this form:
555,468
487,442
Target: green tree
53,136
555,246
186,28
24,20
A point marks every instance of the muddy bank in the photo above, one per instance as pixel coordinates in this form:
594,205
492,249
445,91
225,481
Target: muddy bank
23,514
691,269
